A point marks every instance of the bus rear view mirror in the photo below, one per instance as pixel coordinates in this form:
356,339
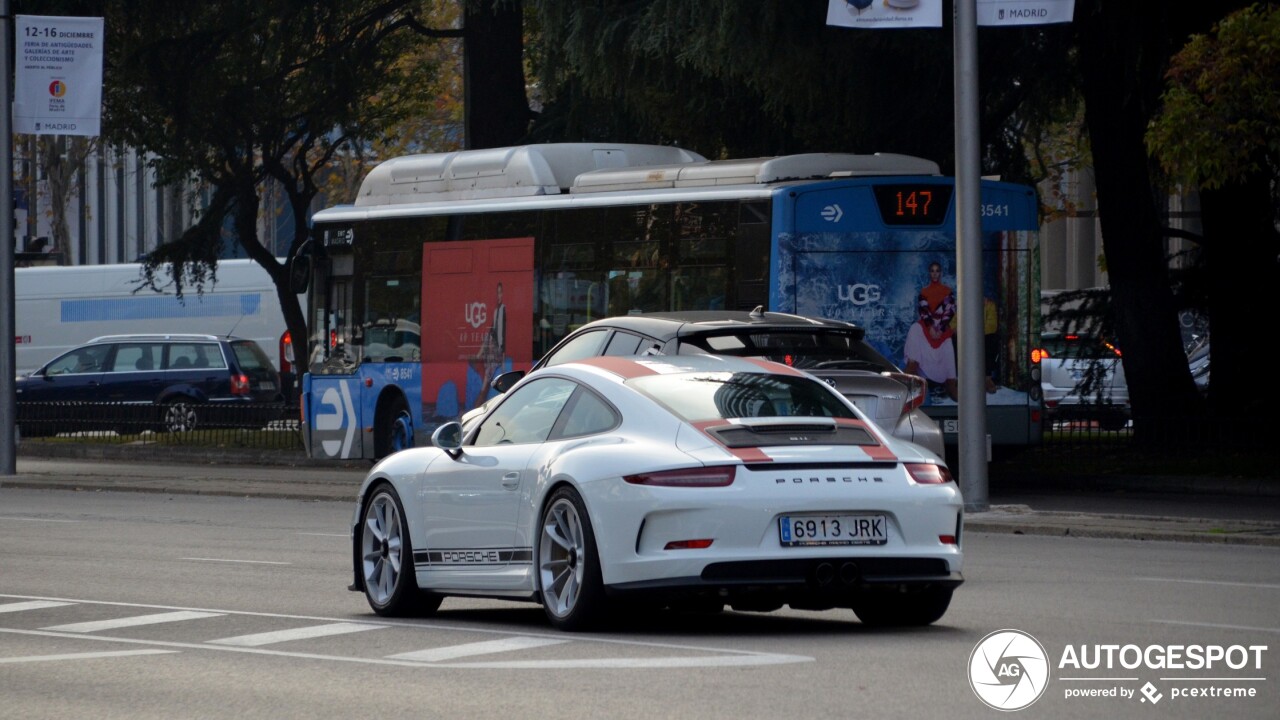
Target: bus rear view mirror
299,274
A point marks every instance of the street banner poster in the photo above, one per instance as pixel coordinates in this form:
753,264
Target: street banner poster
1024,12
881,14
58,75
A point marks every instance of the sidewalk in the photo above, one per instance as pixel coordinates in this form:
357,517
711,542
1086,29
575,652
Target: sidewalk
1183,511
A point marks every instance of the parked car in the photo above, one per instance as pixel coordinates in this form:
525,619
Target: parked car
685,480
181,374
1082,377
833,350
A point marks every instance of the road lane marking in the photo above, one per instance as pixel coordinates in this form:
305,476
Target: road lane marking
1220,626
302,633
134,621
1268,586
31,605
739,658
711,656
477,648
229,560
341,535
35,519
85,656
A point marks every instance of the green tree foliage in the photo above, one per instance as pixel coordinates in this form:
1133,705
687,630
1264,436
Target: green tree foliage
1219,129
741,78
1220,120
239,93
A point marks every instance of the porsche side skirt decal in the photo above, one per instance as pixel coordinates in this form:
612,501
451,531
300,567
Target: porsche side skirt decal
472,557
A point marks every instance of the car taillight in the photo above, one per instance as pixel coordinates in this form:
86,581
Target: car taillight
719,476
916,389
240,384
1038,354
929,473
286,353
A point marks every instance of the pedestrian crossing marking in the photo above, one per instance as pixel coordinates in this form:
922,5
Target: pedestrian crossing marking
301,633
135,621
84,656
477,648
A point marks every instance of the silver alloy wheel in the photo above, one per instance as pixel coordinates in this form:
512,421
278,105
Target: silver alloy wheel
380,545
562,557
180,417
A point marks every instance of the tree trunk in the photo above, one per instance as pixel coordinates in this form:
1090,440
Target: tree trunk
1240,250
495,106
1123,53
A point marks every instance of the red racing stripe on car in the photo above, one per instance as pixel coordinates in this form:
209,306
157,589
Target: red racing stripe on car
875,452
752,455
625,368
774,367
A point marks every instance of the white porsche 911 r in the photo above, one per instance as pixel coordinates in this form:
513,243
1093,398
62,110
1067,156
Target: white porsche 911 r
681,481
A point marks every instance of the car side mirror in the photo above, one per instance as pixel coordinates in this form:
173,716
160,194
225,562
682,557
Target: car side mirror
503,382
299,274
448,437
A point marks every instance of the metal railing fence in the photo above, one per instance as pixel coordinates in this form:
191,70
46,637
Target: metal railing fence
221,425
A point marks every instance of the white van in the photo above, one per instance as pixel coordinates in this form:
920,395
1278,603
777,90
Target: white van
60,308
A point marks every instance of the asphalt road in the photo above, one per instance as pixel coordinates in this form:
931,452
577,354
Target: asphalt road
167,605
1133,511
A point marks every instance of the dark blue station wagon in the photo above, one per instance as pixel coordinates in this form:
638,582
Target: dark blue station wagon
179,373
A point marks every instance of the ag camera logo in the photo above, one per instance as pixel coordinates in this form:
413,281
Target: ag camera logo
1008,670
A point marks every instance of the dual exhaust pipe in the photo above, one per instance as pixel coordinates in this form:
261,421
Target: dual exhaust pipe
827,574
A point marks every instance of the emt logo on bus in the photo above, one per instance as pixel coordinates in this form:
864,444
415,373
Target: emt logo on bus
334,420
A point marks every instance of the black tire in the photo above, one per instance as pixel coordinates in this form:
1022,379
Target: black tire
570,585
385,558
915,607
393,429
179,416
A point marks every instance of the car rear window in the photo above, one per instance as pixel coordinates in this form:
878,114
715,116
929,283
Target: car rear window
802,348
715,395
195,356
250,356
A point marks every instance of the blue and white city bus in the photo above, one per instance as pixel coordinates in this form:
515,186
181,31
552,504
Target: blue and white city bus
451,268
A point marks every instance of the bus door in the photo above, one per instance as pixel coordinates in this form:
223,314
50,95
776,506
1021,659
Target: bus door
333,388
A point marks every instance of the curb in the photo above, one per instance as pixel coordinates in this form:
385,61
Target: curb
182,454
1175,484
1037,526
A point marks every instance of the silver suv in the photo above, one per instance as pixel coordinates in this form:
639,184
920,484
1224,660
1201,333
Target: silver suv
1082,377
832,350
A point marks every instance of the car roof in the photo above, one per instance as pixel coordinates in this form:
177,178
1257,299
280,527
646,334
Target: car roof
693,322
627,367
165,336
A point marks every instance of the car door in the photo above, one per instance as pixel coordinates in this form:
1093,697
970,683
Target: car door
472,505
133,375
72,377
197,368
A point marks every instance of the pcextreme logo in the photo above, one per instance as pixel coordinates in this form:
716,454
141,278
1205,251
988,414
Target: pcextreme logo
1008,670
